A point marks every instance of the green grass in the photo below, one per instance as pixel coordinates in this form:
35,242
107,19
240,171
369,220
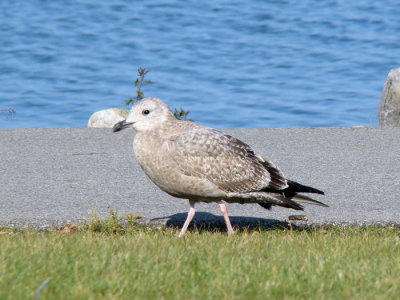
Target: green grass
143,263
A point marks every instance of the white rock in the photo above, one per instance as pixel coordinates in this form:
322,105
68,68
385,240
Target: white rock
107,118
389,106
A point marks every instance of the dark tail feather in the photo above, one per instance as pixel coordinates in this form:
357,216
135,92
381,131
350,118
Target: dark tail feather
285,203
305,199
290,195
295,187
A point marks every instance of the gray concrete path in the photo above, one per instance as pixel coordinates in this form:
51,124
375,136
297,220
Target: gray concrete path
49,177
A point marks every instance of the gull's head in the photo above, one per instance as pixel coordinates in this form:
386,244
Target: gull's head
146,114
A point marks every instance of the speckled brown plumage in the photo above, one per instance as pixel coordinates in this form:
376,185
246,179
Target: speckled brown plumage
198,163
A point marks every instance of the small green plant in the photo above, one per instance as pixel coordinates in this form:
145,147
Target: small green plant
131,219
181,114
139,82
114,223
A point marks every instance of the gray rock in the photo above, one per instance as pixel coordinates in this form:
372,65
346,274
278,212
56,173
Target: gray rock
389,106
107,118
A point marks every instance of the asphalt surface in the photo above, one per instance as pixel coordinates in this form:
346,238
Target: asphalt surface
50,177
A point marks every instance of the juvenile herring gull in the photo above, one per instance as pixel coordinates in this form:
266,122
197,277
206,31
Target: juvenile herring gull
190,161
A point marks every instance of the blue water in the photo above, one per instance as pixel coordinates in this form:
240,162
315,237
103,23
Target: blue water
231,64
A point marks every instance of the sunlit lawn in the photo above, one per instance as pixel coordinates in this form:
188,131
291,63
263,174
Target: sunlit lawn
330,263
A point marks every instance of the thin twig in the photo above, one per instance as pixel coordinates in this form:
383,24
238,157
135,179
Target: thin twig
10,112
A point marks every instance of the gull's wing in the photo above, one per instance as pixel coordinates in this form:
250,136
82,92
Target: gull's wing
223,160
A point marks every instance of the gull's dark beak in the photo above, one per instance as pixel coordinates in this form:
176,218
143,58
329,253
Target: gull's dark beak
122,125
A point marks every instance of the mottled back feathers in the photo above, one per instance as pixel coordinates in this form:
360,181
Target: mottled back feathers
223,160
191,161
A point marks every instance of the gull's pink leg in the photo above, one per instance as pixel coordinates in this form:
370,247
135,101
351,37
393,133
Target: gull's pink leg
189,218
226,217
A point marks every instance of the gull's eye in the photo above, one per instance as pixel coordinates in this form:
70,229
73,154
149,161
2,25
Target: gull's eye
145,112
